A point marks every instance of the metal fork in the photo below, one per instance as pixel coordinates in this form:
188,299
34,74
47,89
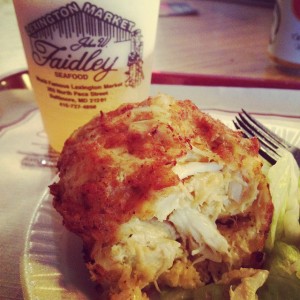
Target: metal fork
271,145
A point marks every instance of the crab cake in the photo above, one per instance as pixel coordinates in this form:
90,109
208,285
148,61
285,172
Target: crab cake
162,194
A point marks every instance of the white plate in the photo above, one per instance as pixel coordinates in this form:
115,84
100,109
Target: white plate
52,265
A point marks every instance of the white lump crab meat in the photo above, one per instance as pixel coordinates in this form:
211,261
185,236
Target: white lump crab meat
162,194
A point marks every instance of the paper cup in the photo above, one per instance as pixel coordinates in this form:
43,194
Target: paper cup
86,57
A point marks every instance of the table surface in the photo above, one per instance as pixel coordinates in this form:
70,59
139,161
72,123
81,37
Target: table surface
223,39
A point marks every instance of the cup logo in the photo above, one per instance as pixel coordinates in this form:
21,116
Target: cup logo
87,38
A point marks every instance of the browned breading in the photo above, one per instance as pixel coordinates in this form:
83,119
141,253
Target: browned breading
120,168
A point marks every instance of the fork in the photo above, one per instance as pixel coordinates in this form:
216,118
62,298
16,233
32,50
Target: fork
271,145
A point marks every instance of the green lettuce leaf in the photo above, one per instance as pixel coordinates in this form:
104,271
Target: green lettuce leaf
283,179
284,279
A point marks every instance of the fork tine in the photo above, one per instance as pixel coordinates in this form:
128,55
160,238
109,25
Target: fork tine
269,146
267,156
265,132
270,156
246,126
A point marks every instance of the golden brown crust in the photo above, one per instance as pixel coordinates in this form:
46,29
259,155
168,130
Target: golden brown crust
113,165
104,201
